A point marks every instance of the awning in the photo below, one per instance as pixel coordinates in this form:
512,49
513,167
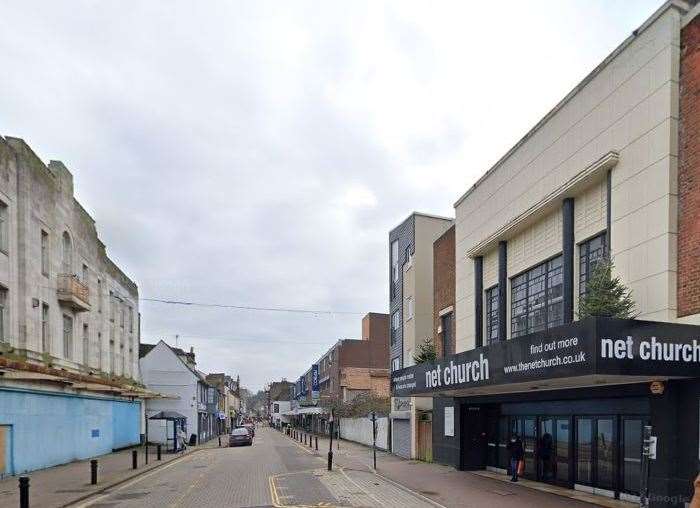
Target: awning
591,352
312,411
168,415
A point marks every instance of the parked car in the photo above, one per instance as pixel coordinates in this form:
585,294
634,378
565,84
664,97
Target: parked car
240,437
251,428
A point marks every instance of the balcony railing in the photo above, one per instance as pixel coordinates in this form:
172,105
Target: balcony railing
72,292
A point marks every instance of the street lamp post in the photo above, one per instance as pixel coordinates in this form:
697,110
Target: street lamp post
330,445
374,439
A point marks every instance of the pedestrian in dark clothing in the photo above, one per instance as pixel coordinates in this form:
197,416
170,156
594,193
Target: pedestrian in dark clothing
515,447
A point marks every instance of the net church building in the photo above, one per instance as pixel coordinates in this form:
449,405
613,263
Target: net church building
612,171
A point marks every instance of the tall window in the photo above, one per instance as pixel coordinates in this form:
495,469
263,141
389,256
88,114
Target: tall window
67,253
86,345
99,350
99,295
112,306
395,260
86,273
591,252
121,316
447,339
3,314
44,253
112,357
45,338
4,227
395,364
410,308
131,319
395,325
492,315
67,337
536,298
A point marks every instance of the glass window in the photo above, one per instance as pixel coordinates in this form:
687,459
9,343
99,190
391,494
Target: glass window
67,254
584,451
395,260
591,252
4,227
3,313
395,325
492,315
537,298
86,345
632,455
410,308
44,253
67,337
45,346
447,342
395,364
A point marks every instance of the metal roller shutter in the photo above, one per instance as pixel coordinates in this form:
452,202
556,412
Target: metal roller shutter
401,438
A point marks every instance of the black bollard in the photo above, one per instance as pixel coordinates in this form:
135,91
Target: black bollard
146,453
134,459
23,492
304,439
310,442
219,440
158,452
93,472
316,443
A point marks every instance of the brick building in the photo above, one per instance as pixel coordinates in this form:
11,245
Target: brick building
444,293
349,368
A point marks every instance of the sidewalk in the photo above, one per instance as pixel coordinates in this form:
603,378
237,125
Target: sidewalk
451,488
62,485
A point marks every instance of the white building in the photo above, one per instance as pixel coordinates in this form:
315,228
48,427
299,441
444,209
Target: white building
278,408
171,372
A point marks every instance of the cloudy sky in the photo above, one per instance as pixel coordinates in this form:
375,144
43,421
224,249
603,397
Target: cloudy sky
257,153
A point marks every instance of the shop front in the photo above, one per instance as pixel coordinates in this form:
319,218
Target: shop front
579,397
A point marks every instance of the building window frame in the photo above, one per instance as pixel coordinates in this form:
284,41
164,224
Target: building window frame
395,364
491,296
394,261
45,252
410,308
45,328
536,293
395,325
4,313
4,227
67,337
86,345
591,251
448,340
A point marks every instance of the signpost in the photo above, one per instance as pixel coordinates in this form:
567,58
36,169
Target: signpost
330,445
373,416
648,453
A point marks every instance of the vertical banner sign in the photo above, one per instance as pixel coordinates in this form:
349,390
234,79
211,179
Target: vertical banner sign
314,381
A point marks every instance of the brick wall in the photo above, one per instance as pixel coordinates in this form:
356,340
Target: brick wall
688,289
443,284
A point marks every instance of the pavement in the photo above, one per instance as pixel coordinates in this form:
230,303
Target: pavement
59,486
276,471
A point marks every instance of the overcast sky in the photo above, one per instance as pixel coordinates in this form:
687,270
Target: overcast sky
257,153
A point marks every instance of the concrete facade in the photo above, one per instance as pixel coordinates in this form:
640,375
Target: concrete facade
55,273
612,146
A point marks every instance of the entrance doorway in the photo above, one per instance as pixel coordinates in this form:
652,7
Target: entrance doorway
5,451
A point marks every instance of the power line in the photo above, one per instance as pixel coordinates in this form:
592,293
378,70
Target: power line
250,308
232,339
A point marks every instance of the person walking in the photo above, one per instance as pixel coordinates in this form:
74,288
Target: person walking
183,439
515,447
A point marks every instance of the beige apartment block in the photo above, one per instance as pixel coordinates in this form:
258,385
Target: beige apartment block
64,303
612,145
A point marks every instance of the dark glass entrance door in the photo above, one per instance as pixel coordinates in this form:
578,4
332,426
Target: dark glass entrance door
553,450
631,454
596,444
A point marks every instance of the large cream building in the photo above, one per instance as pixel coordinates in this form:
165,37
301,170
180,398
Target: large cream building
611,172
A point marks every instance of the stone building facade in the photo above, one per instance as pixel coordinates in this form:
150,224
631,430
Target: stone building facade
69,324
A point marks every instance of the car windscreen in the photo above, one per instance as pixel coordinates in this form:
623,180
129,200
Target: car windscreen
239,432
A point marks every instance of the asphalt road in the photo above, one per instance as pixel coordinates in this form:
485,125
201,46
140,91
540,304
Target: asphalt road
274,471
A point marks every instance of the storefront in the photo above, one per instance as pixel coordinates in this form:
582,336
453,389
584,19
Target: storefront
579,397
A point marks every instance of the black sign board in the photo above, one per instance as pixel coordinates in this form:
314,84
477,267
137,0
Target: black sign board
588,347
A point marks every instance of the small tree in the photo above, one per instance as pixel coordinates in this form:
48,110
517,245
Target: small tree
606,295
426,352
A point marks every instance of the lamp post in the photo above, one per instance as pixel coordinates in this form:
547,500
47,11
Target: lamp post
374,438
330,444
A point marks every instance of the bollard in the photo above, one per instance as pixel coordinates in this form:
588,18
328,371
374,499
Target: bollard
134,459
304,439
219,440
310,442
146,453
316,443
158,451
23,492
93,472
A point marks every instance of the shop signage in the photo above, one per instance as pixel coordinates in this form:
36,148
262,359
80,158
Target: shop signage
314,381
589,347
